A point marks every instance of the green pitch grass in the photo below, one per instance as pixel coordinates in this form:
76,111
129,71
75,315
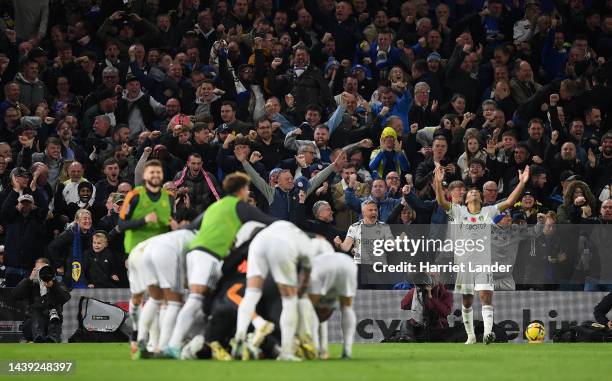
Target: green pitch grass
386,362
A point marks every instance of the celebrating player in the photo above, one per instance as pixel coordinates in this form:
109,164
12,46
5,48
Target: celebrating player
212,243
334,278
280,250
161,271
467,283
146,212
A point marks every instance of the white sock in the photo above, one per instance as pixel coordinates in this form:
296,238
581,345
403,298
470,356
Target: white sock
323,339
184,319
487,318
306,315
134,313
348,323
160,317
154,330
258,322
468,320
147,315
288,323
167,323
246,310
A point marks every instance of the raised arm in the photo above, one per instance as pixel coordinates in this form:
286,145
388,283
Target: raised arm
324,174
516,193
437,185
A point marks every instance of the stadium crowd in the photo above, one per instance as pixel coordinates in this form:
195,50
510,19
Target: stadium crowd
338,111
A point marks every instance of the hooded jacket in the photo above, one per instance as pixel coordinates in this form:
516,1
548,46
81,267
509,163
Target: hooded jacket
568,213
379,157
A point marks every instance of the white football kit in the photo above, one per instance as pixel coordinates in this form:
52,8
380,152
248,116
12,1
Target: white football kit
467,282
166,253
333,275
280,249
135,264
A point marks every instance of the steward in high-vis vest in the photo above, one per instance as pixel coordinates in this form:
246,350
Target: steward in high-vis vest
147,210
212,243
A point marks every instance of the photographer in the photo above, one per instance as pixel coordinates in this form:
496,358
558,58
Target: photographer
429,303
23,214
601,309
46,297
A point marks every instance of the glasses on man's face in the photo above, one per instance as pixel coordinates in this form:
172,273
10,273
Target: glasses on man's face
310,152
394,178
490,190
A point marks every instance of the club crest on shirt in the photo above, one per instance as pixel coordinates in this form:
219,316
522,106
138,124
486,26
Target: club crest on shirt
76,271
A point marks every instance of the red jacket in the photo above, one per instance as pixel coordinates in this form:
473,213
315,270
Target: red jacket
440,305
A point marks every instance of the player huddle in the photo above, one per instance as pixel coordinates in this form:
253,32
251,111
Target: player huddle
252,280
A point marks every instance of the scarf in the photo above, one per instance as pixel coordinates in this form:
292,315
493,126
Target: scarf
77,278
416,309
211,186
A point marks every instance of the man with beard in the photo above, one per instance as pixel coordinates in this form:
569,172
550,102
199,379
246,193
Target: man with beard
268,145
599,170
146,212
563,159
202,187
536,141
137,109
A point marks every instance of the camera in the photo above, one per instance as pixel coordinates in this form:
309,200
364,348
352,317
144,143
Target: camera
45,274
422,280
53,315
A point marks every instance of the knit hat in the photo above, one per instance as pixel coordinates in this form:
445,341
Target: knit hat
302,183
85,184
500,217
434,56
388,132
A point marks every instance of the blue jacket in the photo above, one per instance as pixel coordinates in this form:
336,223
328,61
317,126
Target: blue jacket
553,61
392,59
401,109
378,163
385,206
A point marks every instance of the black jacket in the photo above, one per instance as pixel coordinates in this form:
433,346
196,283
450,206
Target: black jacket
24,240
29,290
99,267
309,88
60,250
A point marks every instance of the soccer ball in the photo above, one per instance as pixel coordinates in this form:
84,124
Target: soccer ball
535,332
